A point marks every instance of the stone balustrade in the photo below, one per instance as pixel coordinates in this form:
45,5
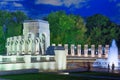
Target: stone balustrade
77,50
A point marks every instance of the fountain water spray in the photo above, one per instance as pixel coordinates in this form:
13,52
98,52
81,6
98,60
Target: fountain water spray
112,58
113,54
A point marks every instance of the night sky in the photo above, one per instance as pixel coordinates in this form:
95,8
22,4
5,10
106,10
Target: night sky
37,9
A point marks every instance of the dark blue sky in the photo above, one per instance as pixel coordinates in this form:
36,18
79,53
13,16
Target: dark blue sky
40,8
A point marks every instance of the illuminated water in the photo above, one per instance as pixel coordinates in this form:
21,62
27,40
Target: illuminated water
112,58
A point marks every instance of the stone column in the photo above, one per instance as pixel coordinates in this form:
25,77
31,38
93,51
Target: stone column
60,58
79,50
66,48
85,50
18,47
10,46
92,50
13,46
33,45
100,51
29,46
23,46
42,48
19,44
106,51
72,50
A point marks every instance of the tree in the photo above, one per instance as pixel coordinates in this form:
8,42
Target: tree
10,25
66,28
97,20
101,30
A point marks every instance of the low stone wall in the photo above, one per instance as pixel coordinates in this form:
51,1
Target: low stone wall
19,71
41,62
43,66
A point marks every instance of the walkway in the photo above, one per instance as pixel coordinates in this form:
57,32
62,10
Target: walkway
92,76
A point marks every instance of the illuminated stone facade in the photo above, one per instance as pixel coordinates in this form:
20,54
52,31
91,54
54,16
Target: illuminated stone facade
28,50
35,39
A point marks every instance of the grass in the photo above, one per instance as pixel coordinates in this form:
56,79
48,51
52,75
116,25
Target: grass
51,76
99,74
39,76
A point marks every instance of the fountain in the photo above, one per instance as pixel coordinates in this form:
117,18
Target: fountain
112,58
113,55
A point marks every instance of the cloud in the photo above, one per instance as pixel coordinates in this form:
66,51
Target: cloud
17,4
118,4
3,3
51,2
112,0
67,3
11,0
76,3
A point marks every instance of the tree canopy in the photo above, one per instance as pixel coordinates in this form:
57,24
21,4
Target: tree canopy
10,25
101,30
65,28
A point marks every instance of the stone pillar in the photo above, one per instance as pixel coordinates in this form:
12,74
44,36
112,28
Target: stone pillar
79,50
60,58
10,46
85,50
66,48
59,44
29,46
0,58
13,45
92,50
38,57
33,44
42,48
72,50
53,44
47,57
37,46
13,58
18,47
27,58
106,51
100,51
23,46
